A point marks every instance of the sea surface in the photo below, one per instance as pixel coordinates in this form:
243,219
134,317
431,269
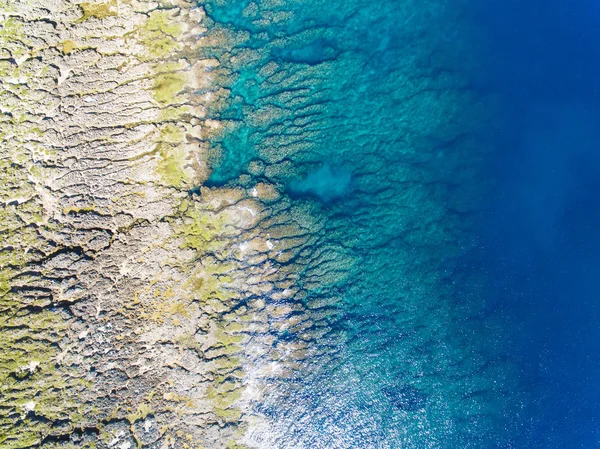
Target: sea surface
439,168
542,226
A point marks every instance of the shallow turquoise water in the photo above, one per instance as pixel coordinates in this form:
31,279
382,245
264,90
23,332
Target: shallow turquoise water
364,115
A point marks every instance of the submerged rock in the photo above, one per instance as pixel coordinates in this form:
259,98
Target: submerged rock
313,53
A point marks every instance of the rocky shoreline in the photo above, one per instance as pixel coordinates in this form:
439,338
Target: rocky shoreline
242,226
113,280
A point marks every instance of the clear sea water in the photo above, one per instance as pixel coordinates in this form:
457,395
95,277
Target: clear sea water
441,159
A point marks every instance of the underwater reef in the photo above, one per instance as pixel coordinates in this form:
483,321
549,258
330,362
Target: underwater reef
244,224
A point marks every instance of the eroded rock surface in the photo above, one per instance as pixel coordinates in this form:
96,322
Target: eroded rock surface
109,325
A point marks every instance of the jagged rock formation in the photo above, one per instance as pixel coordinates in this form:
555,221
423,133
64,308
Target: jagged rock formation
108,300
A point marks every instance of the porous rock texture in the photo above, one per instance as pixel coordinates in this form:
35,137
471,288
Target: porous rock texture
117,283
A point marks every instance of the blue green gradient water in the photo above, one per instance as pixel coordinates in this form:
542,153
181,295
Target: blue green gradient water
364,115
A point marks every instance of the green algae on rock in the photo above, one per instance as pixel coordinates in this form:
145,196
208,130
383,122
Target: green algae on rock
102,138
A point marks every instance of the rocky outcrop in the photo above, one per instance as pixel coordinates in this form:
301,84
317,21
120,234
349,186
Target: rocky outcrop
109,319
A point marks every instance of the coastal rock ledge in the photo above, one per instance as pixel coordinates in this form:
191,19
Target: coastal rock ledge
112,305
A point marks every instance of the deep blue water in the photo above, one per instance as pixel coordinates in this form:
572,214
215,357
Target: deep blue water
438,167
543,239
